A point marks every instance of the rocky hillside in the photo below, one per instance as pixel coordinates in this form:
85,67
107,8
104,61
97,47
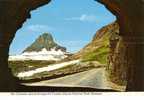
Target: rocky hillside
99,47
106,48
44,41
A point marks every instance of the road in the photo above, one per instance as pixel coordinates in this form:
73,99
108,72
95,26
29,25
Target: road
94,78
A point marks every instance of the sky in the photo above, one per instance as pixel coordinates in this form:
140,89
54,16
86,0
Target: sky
72,23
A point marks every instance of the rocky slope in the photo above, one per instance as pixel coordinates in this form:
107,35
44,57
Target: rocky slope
44,41
99,47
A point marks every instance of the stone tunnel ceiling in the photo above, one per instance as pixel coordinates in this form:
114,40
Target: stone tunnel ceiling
130,16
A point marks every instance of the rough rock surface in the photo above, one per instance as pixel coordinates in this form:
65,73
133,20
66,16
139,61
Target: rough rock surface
44,41
100,39
130,17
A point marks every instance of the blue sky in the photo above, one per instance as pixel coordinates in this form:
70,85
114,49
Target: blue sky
72,23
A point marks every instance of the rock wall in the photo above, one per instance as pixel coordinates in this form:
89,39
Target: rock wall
117,63
130,17
13,14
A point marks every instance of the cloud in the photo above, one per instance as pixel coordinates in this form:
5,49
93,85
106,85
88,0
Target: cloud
84,18
39,28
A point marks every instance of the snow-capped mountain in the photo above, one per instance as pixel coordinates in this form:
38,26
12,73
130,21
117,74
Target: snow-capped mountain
44,48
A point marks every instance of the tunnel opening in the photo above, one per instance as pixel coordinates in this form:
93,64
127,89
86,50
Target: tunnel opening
71,24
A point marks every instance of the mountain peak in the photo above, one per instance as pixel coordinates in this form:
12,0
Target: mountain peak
47,36
44,41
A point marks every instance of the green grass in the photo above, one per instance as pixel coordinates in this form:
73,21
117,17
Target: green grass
99,54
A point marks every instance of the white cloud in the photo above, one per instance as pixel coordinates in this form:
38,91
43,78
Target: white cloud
84,18
39,28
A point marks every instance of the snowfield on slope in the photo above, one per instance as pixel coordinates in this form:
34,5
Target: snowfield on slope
41,55
48,68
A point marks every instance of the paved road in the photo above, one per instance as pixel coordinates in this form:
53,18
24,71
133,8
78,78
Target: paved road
94,78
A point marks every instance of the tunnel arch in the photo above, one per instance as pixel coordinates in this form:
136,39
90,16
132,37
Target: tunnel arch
15,13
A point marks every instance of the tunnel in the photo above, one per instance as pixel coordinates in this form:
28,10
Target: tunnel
130,17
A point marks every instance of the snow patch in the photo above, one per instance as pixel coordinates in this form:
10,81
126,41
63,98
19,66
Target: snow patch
48,68
53,54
